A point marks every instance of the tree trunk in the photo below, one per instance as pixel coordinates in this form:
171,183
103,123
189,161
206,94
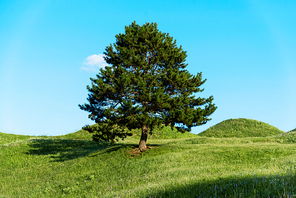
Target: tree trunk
142,144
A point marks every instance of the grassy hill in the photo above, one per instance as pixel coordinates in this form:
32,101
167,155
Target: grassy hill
74,166
158,133
165,133
8,138
241,128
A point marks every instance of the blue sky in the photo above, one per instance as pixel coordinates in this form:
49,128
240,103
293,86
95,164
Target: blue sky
49,49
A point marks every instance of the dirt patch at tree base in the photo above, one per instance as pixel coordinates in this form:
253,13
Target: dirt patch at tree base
136,152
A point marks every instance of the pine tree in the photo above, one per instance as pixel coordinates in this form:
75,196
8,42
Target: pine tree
146,85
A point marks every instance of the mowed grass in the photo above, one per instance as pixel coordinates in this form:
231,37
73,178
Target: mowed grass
74,166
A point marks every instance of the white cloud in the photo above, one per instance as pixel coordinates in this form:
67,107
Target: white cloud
93,62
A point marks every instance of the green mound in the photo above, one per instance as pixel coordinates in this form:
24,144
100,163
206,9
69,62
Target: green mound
241,128
289,137
78,135
8,138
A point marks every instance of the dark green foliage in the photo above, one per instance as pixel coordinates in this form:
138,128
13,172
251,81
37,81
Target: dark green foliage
146,84
241,128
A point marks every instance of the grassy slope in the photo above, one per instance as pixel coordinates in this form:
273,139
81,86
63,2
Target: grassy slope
165,133
74,166
10,138
241,128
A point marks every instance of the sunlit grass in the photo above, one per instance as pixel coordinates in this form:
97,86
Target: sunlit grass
240,128
74,166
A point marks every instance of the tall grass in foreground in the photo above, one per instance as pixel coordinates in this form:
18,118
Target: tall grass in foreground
74,166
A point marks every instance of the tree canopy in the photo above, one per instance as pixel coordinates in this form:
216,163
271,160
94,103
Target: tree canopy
145,85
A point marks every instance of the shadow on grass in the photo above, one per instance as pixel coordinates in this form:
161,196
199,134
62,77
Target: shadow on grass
253,186
67,149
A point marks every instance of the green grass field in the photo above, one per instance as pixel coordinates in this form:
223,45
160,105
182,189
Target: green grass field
177,165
